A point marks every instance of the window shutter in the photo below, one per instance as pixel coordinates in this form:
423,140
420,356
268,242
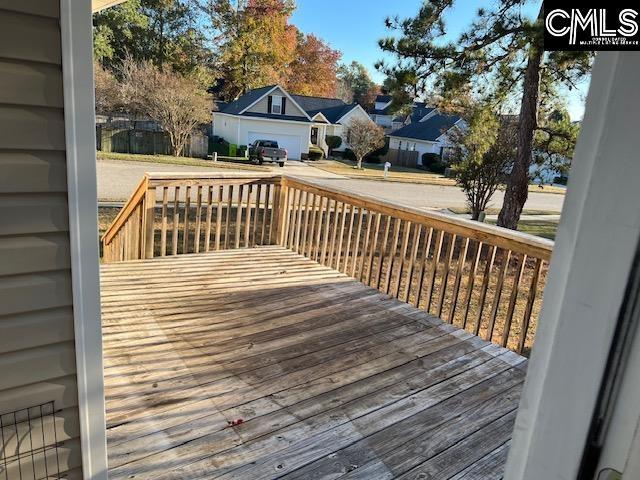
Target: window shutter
284,105
269,103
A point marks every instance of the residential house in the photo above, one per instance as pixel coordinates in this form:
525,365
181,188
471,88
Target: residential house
381,113
427,135
295,121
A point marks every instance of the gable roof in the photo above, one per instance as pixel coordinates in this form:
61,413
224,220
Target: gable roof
420,110
383,98
429,130
333,109
246,100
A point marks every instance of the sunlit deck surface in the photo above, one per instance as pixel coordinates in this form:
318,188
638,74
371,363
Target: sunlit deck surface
259,363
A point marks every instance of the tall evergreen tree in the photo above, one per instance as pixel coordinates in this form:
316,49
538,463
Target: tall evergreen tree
503,48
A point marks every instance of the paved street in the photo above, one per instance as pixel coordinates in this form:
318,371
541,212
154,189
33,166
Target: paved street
117,180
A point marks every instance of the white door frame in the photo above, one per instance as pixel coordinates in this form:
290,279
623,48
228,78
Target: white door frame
79,115
596,241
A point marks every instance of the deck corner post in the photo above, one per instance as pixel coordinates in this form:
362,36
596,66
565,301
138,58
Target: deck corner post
149,210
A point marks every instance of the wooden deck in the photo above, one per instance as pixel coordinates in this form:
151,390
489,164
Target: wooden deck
259,363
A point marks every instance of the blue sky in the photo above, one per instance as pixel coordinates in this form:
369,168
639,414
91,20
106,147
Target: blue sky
355,26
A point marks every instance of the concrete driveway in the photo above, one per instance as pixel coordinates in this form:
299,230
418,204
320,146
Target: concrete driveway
118,179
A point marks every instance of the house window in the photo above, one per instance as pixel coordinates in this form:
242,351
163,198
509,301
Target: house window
276,104
400,145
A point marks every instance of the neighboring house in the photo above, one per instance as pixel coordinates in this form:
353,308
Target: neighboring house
294,121
381,113
428,135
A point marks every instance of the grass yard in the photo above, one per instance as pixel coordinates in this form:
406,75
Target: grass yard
236,163
374,171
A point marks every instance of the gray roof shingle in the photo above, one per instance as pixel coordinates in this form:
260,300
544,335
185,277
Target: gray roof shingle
429,130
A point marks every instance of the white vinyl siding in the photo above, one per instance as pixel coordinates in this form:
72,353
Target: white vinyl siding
37,348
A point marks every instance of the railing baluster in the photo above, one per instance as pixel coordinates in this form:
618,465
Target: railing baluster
239,216
529,308
365,246
227,227
256,215
486,278
520,264
471,282
247,219
292,218
347,249
163,232
316,243
176,221
187,214
196,238
392,255
417,232
343,220
421,271
356,243
372,249
403,255
266,218
445,274
219,217
325,235
332,248
207,231
462,258
504,268
383,248
434,269
298,214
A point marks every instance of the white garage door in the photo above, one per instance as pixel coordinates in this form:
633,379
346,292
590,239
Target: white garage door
291,143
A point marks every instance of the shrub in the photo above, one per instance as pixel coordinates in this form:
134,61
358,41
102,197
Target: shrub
233,148
429,159
315,153
242,151
220,146
333,141
437,167
376,155
349,155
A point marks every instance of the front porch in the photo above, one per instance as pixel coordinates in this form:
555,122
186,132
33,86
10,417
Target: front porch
270,327
330,378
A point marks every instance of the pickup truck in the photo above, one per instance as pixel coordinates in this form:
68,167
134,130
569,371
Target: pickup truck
267,151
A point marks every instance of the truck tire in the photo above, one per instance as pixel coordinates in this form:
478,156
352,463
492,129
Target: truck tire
281,164
260,162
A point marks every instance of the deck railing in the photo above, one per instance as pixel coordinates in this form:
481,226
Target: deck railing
173,214
479,277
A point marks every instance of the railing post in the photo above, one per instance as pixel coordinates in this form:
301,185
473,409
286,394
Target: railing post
149,210
281,210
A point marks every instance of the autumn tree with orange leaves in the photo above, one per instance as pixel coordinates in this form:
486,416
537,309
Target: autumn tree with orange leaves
313,71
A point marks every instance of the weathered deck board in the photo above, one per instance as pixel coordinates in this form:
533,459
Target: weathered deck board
331,378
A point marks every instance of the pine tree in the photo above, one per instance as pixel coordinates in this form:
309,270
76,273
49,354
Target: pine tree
502,49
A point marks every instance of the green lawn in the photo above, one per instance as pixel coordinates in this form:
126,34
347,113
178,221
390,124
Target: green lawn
223,162
375,171
539,228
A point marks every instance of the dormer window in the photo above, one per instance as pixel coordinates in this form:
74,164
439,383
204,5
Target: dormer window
276,104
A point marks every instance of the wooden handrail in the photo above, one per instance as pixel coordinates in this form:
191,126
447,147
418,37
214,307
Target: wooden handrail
126,211
501,237
486,279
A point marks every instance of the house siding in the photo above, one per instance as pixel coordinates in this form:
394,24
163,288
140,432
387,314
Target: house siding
263,106
37,348
417,145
